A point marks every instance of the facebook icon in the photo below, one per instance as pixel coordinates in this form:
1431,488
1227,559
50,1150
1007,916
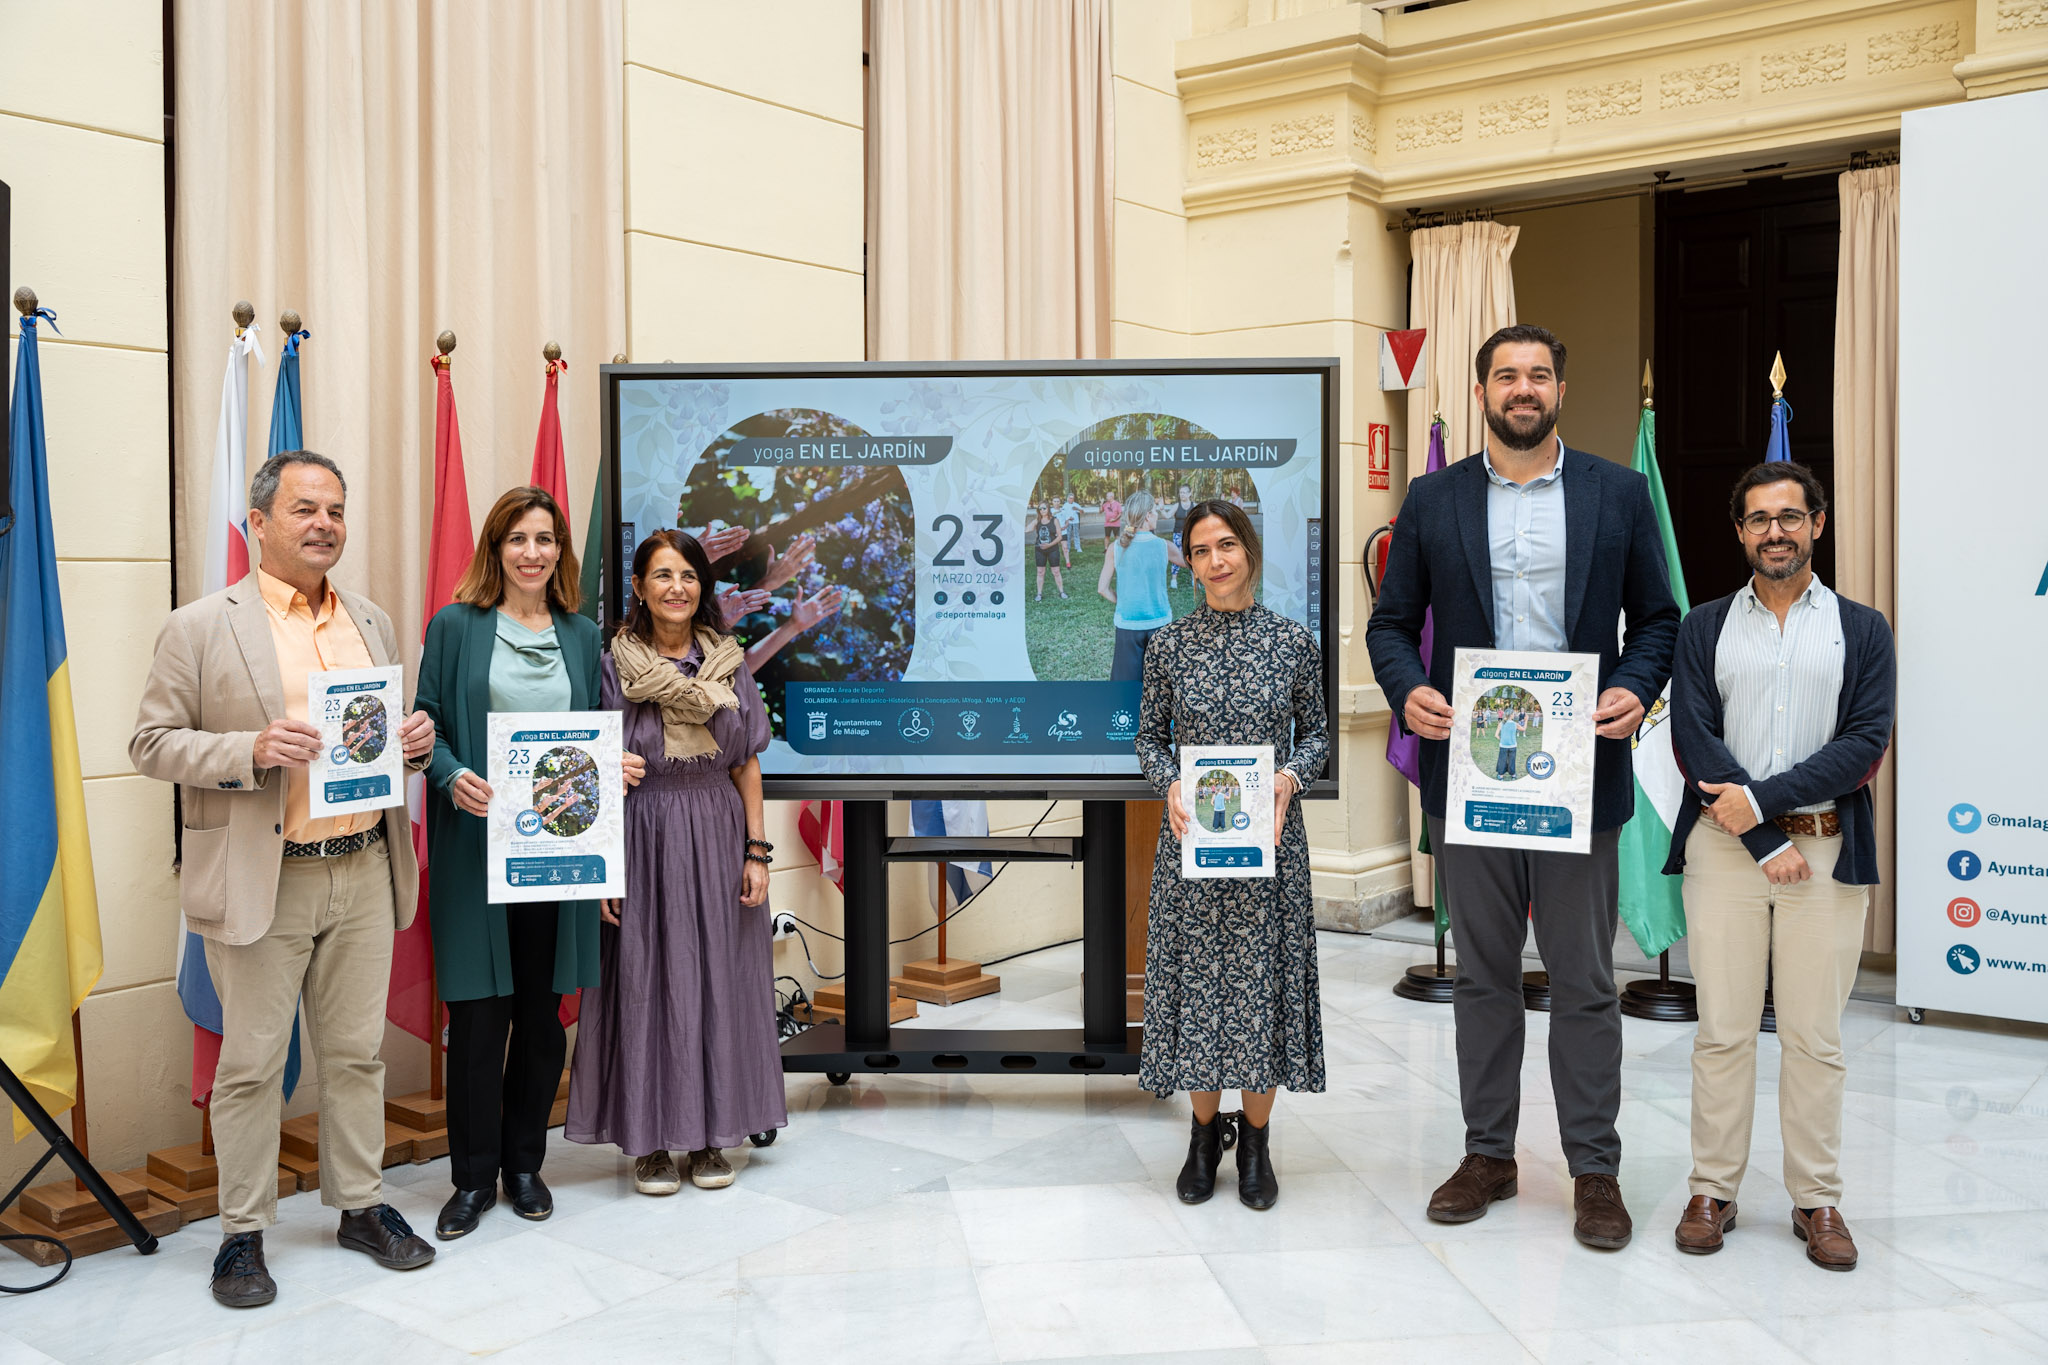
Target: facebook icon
1963,865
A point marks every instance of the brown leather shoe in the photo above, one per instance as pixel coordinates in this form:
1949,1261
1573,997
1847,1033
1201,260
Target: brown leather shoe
1600,1219
381,1233
1478,1182
1827,1238
1701,1225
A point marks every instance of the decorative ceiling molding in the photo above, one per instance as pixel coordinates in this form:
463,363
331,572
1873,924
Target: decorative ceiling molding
2016,15
1502,118
1906,48
1699,84
1794,67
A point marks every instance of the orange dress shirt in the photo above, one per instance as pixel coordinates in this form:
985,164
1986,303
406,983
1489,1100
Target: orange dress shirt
311,642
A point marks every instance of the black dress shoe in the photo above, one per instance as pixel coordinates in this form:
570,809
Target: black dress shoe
460,1215
240,1279
1205,1147
1258,1185
381,1233
529,1195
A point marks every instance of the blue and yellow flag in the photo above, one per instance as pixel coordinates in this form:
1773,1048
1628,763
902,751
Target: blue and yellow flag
49,916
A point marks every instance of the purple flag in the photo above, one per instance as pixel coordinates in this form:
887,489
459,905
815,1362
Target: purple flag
1404,751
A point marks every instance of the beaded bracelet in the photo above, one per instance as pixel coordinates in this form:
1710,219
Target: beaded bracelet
761,858
761,844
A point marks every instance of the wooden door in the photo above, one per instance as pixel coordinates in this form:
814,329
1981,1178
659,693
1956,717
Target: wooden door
1743,273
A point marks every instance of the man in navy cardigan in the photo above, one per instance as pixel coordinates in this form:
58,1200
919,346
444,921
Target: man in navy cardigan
1781,711
1530,545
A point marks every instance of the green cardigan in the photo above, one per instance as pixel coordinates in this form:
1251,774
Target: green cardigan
472,949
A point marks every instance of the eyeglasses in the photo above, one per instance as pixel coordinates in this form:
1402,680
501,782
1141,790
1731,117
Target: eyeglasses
1789,521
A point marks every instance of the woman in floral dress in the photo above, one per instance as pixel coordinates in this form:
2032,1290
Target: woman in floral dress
1231,1001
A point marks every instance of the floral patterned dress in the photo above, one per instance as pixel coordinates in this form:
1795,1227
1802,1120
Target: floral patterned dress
1231,999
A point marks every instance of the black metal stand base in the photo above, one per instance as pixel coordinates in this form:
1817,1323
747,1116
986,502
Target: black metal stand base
1432,983
1672,1002
60,1146
1536,991
1769,1023
936,1050
1104,1044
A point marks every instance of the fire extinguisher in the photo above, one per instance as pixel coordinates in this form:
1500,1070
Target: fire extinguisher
1375,558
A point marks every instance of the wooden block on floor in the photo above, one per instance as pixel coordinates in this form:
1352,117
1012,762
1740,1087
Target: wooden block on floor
428,1145
419,1111
944,983
829,1005
304,1171
193,1205
562,1090
559,1114
185,1168
62,1205
84,1238
300,1137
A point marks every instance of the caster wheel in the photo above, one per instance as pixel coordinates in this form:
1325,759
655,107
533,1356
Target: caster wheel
1916,1015
766,1139
839,1077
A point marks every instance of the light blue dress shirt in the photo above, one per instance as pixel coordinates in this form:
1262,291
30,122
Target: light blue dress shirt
1525,538
1780,688
1509,734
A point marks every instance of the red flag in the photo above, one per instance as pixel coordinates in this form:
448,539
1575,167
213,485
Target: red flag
818,825
550,471
450,546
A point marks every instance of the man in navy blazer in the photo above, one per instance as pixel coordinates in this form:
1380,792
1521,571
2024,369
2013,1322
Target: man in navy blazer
1530,545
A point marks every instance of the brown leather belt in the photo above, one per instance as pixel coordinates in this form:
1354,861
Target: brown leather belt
1823,825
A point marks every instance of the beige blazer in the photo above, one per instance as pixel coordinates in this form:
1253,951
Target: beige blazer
212,689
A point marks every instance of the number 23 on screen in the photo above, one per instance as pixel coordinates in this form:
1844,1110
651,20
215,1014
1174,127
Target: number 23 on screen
987,555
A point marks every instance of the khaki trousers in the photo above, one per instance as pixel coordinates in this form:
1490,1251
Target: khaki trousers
332,940
1738,928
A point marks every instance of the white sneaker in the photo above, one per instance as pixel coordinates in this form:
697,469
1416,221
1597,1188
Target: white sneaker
656,1173
709,1170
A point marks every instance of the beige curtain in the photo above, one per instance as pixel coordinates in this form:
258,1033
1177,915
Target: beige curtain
1865,521
390,170
1463,291
989,179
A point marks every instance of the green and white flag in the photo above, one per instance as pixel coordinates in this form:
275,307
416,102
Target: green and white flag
1650,903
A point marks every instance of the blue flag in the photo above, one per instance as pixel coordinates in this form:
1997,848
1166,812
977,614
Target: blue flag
1780,445
50,954
287,414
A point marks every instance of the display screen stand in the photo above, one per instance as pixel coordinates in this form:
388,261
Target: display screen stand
865,1042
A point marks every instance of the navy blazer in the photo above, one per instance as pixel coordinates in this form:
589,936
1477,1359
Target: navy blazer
1439,562
1839,771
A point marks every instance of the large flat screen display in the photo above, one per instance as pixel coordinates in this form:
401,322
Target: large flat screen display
944,574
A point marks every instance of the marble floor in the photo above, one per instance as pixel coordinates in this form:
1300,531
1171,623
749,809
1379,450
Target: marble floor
1009,1218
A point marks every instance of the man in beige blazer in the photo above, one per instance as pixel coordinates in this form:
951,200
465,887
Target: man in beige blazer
287,903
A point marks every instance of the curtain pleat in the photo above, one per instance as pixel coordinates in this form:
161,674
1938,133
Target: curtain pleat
1462,291
989,180
390,170
1866,513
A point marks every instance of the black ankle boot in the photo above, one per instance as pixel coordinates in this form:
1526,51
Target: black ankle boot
1205,1148
1257,1185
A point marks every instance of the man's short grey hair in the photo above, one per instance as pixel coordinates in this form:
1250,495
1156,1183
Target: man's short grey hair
263,488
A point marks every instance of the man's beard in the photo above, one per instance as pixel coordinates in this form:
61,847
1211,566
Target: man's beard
1521,437
1789,569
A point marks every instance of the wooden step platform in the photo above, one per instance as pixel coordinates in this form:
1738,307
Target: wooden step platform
944,983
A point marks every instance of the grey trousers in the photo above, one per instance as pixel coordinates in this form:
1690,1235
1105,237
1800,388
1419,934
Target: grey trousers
1490,893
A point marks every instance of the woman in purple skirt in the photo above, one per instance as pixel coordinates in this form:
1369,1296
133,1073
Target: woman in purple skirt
677,1050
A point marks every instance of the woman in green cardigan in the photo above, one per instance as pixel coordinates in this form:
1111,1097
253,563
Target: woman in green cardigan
510,641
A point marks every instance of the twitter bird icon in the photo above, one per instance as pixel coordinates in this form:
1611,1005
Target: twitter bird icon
1963,818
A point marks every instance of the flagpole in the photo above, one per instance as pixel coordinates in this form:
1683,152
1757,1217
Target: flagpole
1672,1002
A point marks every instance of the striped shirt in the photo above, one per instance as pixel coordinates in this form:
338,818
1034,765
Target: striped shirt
1780,689
1525,534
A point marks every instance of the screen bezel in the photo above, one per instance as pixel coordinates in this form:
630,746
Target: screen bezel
971,786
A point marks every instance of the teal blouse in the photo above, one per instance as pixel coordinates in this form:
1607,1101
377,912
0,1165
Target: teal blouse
527,673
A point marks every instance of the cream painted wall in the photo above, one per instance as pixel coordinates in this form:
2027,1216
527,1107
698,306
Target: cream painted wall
81,145
1579,270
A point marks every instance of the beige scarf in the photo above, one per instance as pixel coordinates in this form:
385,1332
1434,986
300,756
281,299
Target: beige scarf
686,703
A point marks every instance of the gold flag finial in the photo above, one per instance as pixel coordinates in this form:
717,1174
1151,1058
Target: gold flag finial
1649,385
1778,376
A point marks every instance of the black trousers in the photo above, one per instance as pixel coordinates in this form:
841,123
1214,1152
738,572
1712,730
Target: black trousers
499,1095
1491,894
